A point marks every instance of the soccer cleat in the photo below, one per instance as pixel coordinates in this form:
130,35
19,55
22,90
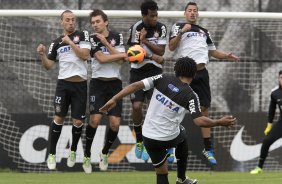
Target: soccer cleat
170,159
145,155
186,181
71,159
256,170
51,162
103,165
139,149
87,167
209,155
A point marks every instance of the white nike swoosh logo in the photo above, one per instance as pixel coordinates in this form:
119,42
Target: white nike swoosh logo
241,152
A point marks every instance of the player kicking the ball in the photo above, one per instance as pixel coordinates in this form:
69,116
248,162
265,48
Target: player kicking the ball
172,97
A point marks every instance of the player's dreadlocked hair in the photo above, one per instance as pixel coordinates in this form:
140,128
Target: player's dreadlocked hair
185,67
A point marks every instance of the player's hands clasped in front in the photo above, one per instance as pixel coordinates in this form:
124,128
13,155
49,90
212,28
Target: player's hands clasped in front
143,34
102,38
108,106
227,121
66,39
186,27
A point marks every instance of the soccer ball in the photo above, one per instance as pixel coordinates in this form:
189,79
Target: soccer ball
136,54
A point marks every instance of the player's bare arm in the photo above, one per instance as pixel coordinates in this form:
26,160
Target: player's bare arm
106,58
222,55
82,53
157,49
126,91
47,63
173,43
158,59
204,121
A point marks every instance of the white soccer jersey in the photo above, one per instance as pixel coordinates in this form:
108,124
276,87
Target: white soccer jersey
110,69
156,35
170,101
69,63
195,43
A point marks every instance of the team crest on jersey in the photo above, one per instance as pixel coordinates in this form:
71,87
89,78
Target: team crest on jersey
156,34
113,42
76,39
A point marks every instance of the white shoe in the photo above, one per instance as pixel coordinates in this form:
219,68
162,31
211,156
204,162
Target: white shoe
87,167
71,159
51,162
103,165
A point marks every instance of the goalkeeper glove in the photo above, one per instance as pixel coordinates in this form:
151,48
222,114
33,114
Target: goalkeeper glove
268,128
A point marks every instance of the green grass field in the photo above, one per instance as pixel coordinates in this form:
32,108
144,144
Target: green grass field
136,178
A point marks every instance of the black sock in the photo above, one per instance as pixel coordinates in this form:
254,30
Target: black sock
181,154
264,151
162,179
208,144
138,132
90,134
111,136
181,169
261,162
76,133
55,133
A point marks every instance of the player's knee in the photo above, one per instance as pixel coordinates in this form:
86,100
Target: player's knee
162,169
137,106
114,126
93,123
58,120
78,122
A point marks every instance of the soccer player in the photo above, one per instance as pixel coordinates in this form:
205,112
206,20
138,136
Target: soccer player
272,132
107,55
72,51
172,98
194,41
151,35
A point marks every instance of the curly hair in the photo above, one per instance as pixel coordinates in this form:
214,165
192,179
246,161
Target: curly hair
185,67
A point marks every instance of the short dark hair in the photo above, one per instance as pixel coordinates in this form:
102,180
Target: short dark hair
148,5
66,11
185,67
97,12
280,72
190,3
